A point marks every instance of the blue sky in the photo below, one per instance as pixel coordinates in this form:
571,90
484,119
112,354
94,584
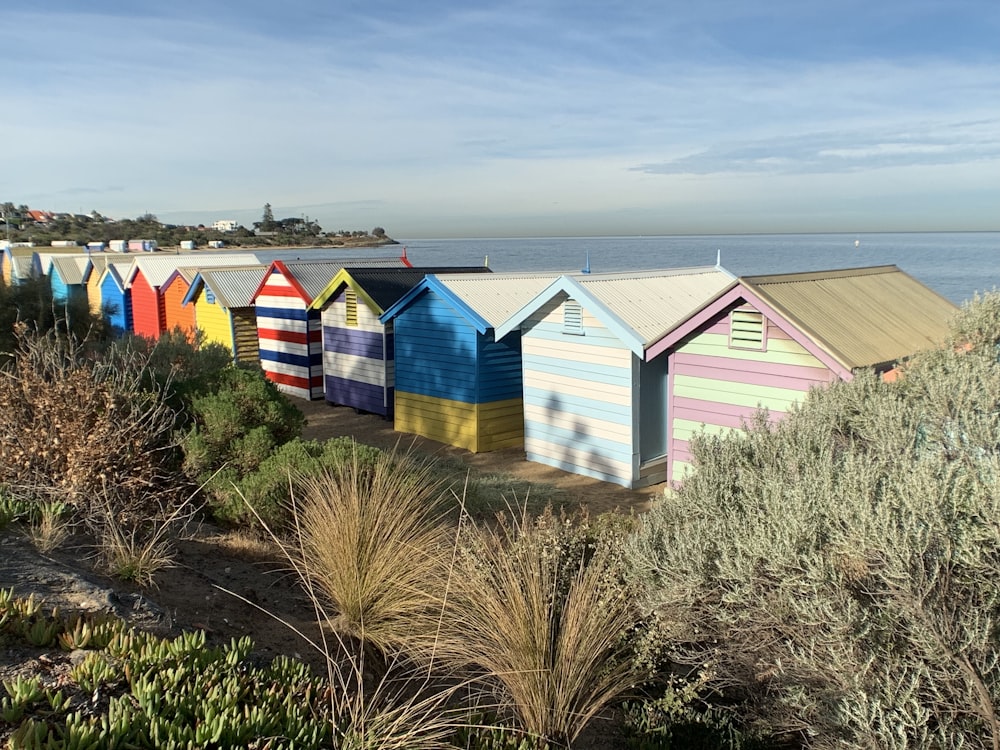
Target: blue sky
452,119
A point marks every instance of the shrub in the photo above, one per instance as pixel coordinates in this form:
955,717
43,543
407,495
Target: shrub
841,570
265,493
76,423
239,418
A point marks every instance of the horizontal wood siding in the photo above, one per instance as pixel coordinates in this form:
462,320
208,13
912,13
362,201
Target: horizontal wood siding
435,352
578,399
290,339
716,388
147,319
214,323
501,425
363,396
245,341
356,365
176,313
446,421
499,372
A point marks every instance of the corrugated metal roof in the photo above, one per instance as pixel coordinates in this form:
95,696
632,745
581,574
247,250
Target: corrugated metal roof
234,286
652,302
862,316
313,276
70,267
157,268
496,296
386,286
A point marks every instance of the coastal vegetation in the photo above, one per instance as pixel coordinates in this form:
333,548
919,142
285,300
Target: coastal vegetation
831,580
295,231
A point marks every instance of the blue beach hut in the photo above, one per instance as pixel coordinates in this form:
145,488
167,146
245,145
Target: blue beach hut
455,380
358,352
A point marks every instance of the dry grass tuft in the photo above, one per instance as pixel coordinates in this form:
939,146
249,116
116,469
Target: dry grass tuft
51,527
542,613
372,542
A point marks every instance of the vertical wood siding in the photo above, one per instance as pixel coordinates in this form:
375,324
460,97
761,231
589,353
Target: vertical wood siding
147,308
716,388
175,313
578,413
357,368
290,339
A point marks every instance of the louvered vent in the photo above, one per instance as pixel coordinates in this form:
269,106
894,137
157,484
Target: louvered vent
351,306
746,330
210,296
572,318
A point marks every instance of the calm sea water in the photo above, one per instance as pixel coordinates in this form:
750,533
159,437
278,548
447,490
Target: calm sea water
956,265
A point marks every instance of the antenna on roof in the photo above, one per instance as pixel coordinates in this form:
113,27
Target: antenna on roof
586,268
486,260
403,256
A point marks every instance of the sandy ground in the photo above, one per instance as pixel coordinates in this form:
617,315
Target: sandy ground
326,421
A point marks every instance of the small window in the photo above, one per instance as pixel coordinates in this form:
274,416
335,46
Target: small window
747,330
572,318
351,306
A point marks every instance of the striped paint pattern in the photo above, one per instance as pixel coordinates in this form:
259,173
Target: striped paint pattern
358,366
290,338
578,397
717,388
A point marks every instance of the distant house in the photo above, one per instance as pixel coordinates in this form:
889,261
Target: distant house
592,404
455,380
764,341
225,225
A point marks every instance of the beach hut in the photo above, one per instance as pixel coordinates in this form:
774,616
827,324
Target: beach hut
96,263
177,315
289,330
222,299
65,274
148,274
455,381
41,261
116,300
766,340
592,404
358,359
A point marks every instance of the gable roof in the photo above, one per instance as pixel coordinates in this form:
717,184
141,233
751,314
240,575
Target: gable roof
380,288
310,278
854,317
71,268
233,286
116,270
96,262
485,300
637,306
156,269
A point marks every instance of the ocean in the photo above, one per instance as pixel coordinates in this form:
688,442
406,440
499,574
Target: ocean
954,264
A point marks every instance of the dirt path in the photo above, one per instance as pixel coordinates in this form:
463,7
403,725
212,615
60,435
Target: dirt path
326,421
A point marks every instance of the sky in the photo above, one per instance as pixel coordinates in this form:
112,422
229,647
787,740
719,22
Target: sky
447,118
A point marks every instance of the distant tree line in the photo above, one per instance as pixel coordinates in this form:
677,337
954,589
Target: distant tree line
19,226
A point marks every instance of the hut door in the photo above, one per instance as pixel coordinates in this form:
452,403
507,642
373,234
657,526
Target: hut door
652,409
